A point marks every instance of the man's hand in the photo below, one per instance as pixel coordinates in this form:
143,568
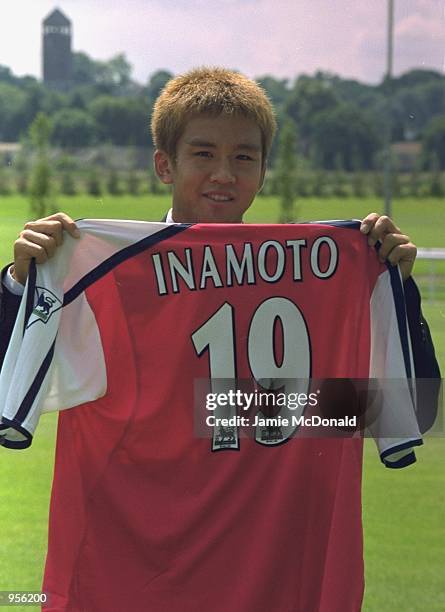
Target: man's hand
40,239
396,247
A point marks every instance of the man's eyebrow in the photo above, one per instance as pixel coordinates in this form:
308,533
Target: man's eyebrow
197,142
249,146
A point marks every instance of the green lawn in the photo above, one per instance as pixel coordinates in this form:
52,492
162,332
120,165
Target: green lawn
403,516
25,481
403,509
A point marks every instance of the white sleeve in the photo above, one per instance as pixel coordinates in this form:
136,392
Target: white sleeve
43,370
394,425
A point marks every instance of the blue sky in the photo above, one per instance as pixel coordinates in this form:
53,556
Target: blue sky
280,37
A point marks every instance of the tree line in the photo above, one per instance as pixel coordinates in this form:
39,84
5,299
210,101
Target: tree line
336,123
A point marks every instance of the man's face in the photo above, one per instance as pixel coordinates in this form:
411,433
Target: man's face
217,172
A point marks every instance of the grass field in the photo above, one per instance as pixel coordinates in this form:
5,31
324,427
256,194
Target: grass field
403,509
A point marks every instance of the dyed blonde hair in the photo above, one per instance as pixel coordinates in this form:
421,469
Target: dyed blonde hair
212,92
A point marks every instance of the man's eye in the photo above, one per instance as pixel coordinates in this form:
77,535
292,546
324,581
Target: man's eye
203,154
244,157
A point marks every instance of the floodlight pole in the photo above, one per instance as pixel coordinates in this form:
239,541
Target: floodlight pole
388,121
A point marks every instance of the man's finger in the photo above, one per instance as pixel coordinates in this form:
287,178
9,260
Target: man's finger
389,242
381,228
402,253
48,242
384,225
68,224
28,250
368,222
55,223
50,228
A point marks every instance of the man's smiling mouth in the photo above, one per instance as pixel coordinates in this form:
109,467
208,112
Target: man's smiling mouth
218,197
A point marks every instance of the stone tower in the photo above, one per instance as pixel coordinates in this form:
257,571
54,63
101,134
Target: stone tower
56,44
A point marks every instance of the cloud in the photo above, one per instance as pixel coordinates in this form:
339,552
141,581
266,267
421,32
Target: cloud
419,39
420,42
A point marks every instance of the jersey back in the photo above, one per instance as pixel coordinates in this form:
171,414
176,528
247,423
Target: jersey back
152,508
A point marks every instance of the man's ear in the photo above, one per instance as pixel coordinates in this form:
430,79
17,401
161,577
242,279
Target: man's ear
163,166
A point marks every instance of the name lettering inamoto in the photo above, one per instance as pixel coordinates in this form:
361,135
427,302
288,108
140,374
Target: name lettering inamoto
243,265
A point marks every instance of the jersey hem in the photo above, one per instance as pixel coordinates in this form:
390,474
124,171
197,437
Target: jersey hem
404,461
14,444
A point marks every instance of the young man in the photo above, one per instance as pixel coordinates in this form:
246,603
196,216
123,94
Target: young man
212,130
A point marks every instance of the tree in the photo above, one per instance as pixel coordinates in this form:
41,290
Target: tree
416,77
22,183
113,183
414,181
116,72
396,183
40,188
156,83
434,140
77,99
339,183
122,121
276,89
305,102
84,69
73,128
154,186
133,183
5,186
34,102
309,97
285,171
68,184
94,186
415,98
359,184
112,74
319,185
66,167
378,184
21,166
351,91
358,180
346,132
12,112
436,184
433,97
6,75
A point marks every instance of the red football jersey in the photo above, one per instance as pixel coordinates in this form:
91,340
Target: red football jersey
148,515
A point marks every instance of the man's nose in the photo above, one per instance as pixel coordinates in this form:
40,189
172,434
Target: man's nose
222,172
